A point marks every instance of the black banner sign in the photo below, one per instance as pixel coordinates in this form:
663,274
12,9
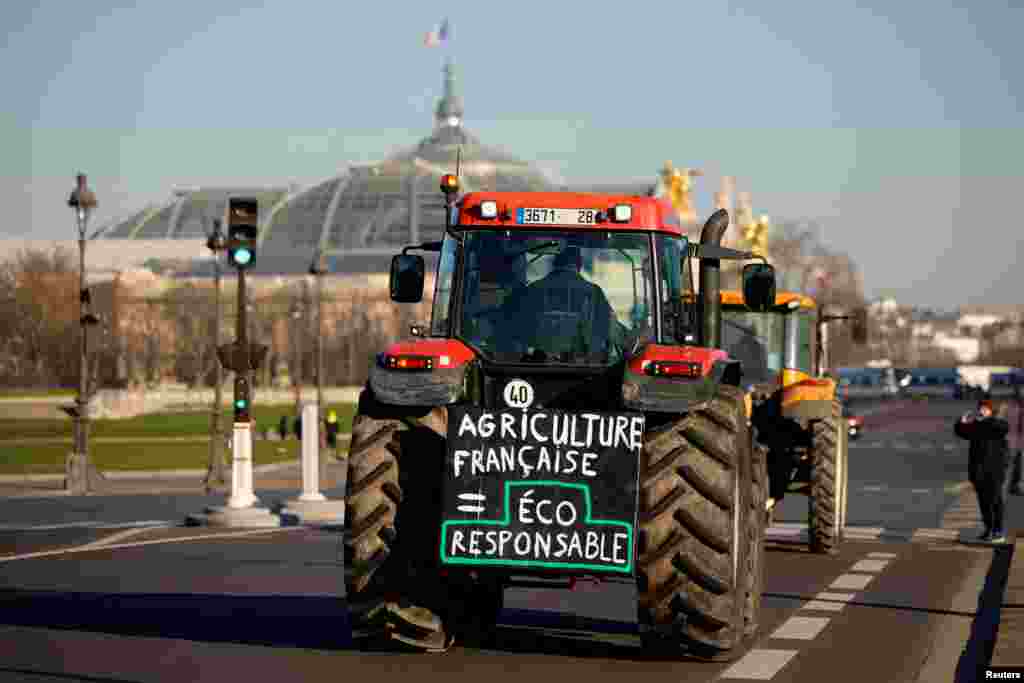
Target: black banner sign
541,489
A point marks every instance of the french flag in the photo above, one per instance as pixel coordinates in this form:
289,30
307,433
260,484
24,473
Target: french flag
436,37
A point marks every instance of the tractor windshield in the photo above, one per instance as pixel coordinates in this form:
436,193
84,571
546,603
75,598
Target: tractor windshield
556,297
757,340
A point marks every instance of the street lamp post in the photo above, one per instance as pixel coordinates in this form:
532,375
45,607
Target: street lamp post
317,270
296,314
82,201
216,473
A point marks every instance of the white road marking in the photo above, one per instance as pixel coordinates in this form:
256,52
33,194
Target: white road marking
138,544
920,490
470,508
801,628
936,533
795,531
864,532
85,525
472,496
822,606
869,566
759,665
115,537
882,556
873,488
855,582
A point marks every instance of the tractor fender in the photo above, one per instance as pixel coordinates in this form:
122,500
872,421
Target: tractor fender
434,388
810,399
443,384
675,395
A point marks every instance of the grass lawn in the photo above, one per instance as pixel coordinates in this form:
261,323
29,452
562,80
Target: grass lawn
36,393
134,455
162,424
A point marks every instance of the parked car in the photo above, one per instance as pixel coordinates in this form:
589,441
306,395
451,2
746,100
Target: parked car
855,425
854,422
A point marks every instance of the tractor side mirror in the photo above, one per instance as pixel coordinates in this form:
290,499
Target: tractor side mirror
407,273
759,287
859,330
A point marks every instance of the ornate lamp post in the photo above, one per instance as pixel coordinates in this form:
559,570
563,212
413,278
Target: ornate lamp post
82,202
317,270
216,473
295,313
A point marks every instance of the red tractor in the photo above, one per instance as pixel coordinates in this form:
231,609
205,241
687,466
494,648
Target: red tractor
567,413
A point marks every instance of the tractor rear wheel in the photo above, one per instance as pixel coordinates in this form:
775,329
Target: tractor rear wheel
392,513
698,561
828,483
757,524
844,472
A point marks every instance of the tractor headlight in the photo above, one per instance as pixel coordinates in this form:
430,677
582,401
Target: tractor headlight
489,209
622,213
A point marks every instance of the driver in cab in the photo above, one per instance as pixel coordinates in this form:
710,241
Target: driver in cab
563,312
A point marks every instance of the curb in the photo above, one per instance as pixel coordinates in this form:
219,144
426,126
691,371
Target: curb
1006,633
143,474
151,474
69,440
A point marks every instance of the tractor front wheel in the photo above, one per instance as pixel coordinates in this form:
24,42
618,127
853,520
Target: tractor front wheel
700,553
392,512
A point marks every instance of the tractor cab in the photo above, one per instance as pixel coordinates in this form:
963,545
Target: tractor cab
523,279
776,347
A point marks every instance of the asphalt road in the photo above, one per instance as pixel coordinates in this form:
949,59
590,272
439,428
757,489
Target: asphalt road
147,603
902,469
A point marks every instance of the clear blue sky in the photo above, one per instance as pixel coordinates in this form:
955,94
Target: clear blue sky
898,124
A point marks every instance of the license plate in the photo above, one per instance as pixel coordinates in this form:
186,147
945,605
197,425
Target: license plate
556,216
542,490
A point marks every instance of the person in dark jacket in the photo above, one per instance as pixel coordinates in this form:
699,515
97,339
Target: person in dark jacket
986,465
563,311
282,427
331,427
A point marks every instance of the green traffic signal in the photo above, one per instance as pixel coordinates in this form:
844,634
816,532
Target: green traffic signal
241,403
241,256
243,231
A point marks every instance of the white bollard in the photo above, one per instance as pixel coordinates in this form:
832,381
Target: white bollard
242,495
241,509
311,454
311,505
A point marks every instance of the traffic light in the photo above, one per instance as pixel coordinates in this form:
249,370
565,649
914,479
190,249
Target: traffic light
242,399
243,229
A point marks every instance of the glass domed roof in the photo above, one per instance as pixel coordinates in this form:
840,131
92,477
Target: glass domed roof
188,214
364,215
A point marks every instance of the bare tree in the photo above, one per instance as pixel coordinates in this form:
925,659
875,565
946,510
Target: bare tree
186,309
38,290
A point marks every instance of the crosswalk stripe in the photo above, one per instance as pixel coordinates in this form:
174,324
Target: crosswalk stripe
796,531
759,665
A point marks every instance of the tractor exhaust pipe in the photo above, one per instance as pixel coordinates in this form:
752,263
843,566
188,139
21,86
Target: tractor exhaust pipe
711,281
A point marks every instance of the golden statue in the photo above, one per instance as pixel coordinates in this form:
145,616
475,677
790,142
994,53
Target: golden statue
678,184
